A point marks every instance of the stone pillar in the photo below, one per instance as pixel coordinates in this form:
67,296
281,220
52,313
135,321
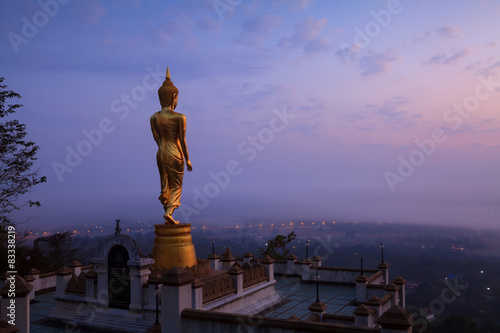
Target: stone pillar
227,260
236,273
175,297
214,262
384,268
90,282
268,263
63,275
318,308
316,260
364,316
361,282
101,269
139,273
395,320
36,282
375,303
76,267
29,279
247,257
197,294
306,270
19,304
290,264
392,289
401,284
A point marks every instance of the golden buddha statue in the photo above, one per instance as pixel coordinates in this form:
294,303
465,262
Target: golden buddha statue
169,132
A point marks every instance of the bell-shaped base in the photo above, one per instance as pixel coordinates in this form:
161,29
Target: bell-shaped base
173,246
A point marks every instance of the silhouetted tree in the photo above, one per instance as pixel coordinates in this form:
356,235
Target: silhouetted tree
52,252
277,247
16,159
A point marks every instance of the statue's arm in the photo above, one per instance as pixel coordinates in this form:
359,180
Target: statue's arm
182,139
156,136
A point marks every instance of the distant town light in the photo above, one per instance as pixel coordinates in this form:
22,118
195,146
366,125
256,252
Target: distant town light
481,271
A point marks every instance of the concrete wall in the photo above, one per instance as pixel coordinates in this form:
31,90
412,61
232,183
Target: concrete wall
202,321
47,280
337,274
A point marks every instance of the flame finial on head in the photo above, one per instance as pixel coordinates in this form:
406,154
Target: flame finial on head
168,74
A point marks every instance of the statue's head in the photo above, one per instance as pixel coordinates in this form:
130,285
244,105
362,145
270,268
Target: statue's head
168,92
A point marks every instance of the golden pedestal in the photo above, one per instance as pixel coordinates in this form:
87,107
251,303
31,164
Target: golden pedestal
173,246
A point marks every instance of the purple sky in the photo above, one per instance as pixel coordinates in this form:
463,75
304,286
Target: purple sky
322,110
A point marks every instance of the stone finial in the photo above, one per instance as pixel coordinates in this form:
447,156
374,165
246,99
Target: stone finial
75,264
266,260
33,271
291,257
362,278
317,307
316,258
22,288
227,255
176,277
399,281
364,311
391,287
395,318
374,300
383,265
235,270
64,271
29,278
248,255
213,256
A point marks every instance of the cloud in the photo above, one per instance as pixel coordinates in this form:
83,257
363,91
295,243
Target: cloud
255,30
318,46
92,12
447,31
179,25
294,4
305,31
392,111
451,58
374,63
207,23
485,67
479,126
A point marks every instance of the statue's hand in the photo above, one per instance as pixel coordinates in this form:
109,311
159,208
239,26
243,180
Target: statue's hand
189,166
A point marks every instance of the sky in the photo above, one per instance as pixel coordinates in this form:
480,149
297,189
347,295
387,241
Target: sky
296,110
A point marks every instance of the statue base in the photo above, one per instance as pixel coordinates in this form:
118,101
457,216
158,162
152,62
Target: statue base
173,246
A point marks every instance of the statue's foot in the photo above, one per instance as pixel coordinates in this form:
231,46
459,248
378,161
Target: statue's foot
170,220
